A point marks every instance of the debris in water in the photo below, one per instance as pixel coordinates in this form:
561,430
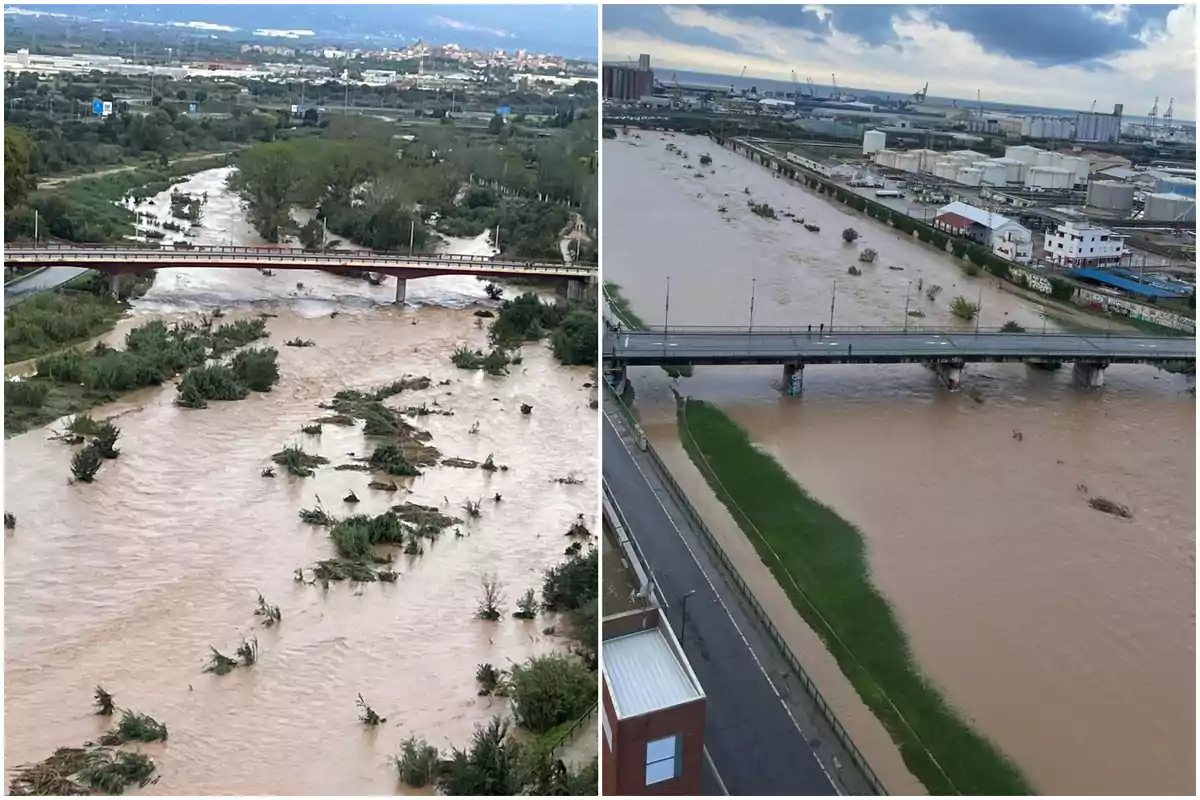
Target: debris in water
135,727
104,702
578,528
350,498
271,614
367,714
1110,507
268,472
1016,434
10,521
390,486
570,480
526,409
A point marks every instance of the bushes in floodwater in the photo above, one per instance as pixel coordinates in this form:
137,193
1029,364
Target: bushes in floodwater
549,690
255,369
135,727
571,327
24,393
390,458
298,462
355,537
51,320
572,584
417,762
493,363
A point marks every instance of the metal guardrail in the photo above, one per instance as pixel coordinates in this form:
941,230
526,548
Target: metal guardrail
565,739
888,331
731,573
71,254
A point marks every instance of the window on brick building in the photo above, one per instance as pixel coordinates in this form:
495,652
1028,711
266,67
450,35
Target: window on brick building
662,759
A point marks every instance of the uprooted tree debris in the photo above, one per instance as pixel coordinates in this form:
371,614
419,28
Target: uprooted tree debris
296,461
76,771
220,664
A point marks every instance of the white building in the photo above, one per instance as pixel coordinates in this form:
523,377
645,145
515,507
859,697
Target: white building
1081,244
1005,237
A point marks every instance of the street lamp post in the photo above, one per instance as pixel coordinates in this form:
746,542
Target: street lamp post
666,314
753,281
832,300
907,292
978,310
683,614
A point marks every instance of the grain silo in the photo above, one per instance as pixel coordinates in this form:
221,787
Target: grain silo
1023,153
1048,178
1112,196
993,174
969,176
873,142
1079,167
1170,207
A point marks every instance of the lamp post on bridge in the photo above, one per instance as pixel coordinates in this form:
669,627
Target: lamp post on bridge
666,315
907,292
832,300
978,310
753,281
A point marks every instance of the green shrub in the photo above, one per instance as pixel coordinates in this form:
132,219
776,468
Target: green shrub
417,763
550,690
257,368
25,393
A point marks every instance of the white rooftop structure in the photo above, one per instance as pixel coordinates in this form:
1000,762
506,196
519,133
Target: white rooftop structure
978,215
644,674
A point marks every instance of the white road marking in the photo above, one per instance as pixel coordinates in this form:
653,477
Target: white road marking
724,607
663,344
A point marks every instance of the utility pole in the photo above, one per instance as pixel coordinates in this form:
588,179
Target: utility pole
666,314
978,310
906,294
832,300
752,283
412,234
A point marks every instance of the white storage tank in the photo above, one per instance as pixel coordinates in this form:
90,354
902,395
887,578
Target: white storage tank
1023,153
909,162
873,142
970,176
927,159
1015,169
1177,185
1111,196
1048,158
1048,178
885,158
993,174
1080,168
946,170
970,155
1170,207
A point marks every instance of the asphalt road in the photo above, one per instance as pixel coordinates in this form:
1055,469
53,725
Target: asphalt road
733,347
46,279
754,743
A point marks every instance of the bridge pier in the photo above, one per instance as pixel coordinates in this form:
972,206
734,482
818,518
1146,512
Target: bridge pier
1090,373
1047,364
401,290
616,376
949,373
114,285
576,289
793,379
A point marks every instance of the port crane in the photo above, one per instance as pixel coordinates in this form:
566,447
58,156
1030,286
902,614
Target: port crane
1169,117
1153,117
920,96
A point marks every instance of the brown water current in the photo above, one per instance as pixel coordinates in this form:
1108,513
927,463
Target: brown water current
1065,635
127,582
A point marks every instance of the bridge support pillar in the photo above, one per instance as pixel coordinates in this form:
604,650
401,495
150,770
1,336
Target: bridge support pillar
114,285
793,379
1044,364
401,290
616,377
575,289
1090,373
949,373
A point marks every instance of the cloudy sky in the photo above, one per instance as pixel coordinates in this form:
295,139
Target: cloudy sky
1057,56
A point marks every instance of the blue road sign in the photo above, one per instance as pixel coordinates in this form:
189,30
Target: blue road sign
191,108
97,107
503,111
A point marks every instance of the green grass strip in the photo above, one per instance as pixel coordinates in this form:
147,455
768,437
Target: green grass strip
820,562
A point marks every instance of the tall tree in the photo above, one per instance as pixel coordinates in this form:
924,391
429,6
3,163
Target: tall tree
18,166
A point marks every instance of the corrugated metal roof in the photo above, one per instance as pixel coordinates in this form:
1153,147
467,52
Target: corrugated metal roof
644,675
979,215
954,220
1125,284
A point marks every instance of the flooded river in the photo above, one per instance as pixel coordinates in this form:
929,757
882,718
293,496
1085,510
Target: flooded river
1064,634
127,582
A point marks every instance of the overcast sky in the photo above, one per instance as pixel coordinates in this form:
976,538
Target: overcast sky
1057,56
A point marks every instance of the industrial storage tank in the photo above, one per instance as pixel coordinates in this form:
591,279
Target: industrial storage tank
970,176
1080,168
1111,196
909,162
927,159
970,155
873,142
1048,178
946,170
1015,169
993,174
1023,153
1170,207
1048,158
1176,185
885,158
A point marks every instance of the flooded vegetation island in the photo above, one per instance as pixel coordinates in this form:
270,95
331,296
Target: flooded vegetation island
354,533
917,549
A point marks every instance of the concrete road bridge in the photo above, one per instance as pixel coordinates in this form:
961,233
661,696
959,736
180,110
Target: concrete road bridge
945,350
120,259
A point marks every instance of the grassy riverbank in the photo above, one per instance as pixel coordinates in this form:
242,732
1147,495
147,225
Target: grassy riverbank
820,562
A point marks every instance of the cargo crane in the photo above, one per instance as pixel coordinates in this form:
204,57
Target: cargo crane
920,96
1153,117
1169,117
812,89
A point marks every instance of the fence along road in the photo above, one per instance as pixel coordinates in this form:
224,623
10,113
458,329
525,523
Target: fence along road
764,731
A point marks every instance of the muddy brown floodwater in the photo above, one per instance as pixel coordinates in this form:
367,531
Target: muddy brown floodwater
1064,634
128,581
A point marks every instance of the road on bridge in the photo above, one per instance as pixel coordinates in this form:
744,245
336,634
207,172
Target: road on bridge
715,346
751,736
